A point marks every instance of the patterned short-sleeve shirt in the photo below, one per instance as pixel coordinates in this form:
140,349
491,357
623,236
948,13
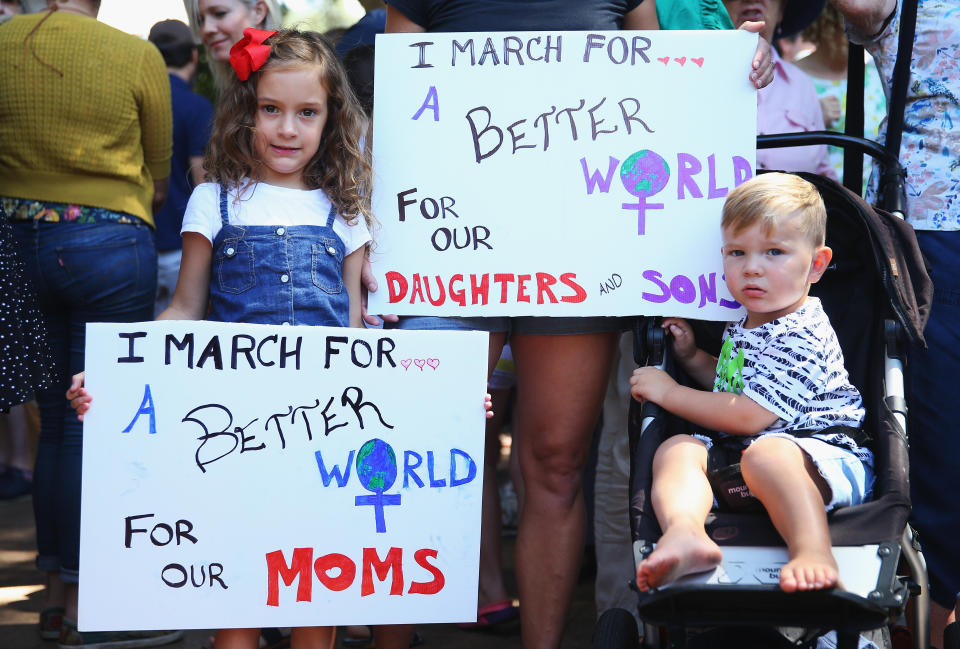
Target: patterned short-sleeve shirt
930,150
793,367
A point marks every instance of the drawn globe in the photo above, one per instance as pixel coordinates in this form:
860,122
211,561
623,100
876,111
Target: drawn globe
376,465
644,173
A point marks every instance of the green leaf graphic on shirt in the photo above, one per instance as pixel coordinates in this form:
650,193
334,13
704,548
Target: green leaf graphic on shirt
729,369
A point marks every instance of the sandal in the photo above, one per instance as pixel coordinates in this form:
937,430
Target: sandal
496,617
51,619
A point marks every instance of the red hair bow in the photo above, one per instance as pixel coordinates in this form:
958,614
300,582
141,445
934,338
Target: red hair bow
249,53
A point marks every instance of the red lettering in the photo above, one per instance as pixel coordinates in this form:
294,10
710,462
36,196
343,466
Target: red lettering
544,282
300,569
427,587
396,285
457,294
394,562
570,280
443,295
522,295
481,290
417,289
504,280
348,570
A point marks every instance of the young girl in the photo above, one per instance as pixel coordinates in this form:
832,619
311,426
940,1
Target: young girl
280,237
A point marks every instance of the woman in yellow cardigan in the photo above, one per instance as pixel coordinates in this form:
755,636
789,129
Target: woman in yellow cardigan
85,142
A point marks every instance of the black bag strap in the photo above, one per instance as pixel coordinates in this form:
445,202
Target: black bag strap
901,76
854,110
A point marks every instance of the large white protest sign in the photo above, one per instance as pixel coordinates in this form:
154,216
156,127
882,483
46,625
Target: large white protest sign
250,475
556,174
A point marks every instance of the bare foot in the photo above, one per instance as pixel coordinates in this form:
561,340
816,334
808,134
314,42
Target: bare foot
809,571
679,552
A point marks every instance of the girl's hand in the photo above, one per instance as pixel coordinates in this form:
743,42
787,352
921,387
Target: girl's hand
78,396
684,342
761,68
651,384
488,405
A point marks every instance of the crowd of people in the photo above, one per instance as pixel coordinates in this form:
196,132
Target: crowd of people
120,188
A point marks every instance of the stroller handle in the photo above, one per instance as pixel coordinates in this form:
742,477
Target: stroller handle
892,195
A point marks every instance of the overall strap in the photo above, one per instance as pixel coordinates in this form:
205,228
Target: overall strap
223,205
332,216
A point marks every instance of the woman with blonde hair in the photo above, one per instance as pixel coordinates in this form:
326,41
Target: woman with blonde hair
218,24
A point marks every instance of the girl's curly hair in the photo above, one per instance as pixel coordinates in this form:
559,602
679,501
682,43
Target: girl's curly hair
827,31
339,168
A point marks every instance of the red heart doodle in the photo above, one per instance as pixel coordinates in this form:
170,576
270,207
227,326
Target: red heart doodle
699,62
433,362
406,363
681,60
663,59
419,362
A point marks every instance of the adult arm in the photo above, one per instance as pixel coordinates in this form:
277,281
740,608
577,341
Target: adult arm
868,17
161,188
156,114
397,23
642,17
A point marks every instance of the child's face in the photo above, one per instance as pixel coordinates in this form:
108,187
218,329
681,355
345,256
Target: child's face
291,114
770,273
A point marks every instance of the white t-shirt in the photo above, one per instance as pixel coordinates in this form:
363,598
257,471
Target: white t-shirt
263,204
793,367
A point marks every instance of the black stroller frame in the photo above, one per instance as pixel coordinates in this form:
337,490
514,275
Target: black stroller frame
872,542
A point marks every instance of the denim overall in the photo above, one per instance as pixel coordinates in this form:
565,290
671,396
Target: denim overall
278,274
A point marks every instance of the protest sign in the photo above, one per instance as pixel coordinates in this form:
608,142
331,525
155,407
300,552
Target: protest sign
252,475
558,173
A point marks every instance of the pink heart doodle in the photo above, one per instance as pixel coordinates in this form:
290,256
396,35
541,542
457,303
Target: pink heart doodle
663,59
699,62
433,362
681,60
419,362
406,363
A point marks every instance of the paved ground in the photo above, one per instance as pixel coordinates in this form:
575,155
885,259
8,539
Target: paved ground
20,597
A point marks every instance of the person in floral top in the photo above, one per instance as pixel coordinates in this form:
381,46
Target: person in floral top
931,154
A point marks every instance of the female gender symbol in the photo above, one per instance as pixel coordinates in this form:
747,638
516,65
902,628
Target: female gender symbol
377,471
644,174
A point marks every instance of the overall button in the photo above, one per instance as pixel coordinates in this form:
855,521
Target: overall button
331,250
280,231
284,278
231,252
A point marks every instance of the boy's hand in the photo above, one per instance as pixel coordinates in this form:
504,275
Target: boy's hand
78,396
651,384
684,342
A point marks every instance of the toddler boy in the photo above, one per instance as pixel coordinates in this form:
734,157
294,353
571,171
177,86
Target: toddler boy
780,387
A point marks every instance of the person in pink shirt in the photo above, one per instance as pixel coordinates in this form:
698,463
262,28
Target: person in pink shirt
789,104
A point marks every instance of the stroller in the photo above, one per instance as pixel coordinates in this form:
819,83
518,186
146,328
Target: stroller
877,295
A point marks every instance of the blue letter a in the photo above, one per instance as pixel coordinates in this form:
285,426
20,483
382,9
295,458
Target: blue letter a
432,102
146,408
334,473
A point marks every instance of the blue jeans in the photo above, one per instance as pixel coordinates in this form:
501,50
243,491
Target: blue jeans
934,417
100,272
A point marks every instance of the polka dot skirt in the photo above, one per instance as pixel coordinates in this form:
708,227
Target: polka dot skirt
24,364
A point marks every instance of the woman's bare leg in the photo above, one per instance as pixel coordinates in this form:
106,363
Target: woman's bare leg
793,492
560,386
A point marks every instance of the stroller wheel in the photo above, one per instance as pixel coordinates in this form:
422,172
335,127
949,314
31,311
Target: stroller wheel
616,629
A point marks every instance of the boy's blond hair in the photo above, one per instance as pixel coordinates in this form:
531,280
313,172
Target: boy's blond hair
769,198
